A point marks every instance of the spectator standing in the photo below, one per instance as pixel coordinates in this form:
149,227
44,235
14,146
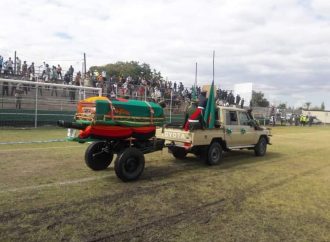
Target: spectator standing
71,71
59,72
72,91
43,70
77,79
66,81
104,75
18,95
181,88
53,75
46,73
238,99
10,66
88,80
24,69
31,71
242,103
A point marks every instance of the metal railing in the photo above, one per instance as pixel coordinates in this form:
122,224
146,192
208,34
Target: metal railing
25,103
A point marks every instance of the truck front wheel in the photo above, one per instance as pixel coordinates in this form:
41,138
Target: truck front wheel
129,164
261,147
98,156
214,154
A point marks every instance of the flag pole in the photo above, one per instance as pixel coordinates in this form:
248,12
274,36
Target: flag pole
213,65
196,76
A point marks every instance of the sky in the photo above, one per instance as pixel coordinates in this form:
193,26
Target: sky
281,46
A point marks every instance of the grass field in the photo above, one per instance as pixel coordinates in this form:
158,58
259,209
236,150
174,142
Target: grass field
48,194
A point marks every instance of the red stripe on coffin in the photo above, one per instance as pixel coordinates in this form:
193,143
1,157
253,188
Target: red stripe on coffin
115,132
143,133
118,132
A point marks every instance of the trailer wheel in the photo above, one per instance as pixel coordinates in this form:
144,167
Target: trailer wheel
214,154
179,153
261,147
97,156
129,164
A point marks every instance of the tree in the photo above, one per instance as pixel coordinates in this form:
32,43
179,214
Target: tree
322,106
282,106
258,100
308,104
132,69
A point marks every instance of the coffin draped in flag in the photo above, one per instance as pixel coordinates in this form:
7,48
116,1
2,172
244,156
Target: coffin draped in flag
101,117
209,114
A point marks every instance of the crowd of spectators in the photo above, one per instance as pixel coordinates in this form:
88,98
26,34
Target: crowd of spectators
156,89
29,72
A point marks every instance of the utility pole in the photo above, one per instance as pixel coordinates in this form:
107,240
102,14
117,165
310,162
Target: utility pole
15,63
85,70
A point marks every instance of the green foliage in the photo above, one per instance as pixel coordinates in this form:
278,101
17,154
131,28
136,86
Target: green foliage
258,100
133,69
282,106
314,108
307,105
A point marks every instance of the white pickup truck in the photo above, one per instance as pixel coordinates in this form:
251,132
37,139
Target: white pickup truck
235,129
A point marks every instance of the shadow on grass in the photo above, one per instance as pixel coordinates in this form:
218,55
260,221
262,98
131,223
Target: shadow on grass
233,159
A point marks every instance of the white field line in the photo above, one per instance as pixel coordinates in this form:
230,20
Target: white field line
55,184
39,148
32,142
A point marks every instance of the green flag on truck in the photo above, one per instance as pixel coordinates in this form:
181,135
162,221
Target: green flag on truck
209,115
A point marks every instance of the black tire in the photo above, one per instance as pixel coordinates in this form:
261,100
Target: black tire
129,164
179,153
214,154
97,156
261,147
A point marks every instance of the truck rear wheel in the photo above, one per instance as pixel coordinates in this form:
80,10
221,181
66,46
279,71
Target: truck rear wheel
261,147
214,154
179,153
129,164
97,156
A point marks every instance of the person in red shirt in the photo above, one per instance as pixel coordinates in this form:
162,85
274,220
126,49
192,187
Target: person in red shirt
197,116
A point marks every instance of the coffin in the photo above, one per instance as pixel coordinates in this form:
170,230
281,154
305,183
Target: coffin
118,118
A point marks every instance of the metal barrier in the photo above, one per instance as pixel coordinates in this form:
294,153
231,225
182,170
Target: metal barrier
26,103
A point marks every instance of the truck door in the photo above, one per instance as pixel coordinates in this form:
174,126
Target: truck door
248,133
232,131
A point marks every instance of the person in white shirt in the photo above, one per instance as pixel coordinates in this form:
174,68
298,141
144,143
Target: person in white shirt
10,66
